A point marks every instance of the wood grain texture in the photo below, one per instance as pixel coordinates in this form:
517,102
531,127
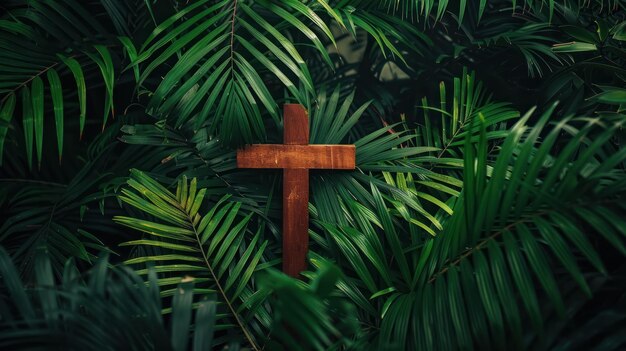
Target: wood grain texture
295,220
295,124
297,156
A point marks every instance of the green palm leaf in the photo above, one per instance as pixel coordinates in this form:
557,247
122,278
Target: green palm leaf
52,40
209,246
531,237
61,315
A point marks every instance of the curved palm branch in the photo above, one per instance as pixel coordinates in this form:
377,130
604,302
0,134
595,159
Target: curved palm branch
527,207
230,50
68,215
51,53
216,248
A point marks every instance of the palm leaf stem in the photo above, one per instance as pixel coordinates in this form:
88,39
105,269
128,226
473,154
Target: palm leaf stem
44,70
480,246
221,289
228,184
484,242
450,141
232,40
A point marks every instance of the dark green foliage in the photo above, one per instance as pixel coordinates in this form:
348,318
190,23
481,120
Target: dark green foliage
106,309
487,209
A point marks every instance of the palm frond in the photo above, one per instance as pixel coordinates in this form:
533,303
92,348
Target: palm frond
106,308
309,316
225,52
457,109
48,214
229,50
216,248
51,51
383,150
67,214
431,10
523,210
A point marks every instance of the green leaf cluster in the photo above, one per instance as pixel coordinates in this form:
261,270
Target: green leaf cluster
486,210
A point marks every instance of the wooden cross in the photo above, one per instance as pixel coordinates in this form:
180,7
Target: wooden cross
295,156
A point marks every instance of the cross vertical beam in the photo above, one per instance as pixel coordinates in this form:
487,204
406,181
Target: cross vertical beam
295,156
295,194
295,220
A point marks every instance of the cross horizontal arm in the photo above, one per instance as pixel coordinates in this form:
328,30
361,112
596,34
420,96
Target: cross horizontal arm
297,156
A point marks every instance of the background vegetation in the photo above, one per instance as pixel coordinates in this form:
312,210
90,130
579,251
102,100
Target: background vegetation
486,212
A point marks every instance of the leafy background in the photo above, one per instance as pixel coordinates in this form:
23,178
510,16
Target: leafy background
486,210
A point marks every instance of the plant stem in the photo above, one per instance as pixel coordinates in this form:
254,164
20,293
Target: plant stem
474,249
232,39
221,290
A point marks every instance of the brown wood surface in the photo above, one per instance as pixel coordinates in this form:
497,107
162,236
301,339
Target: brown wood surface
296,156
295,220
296,125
